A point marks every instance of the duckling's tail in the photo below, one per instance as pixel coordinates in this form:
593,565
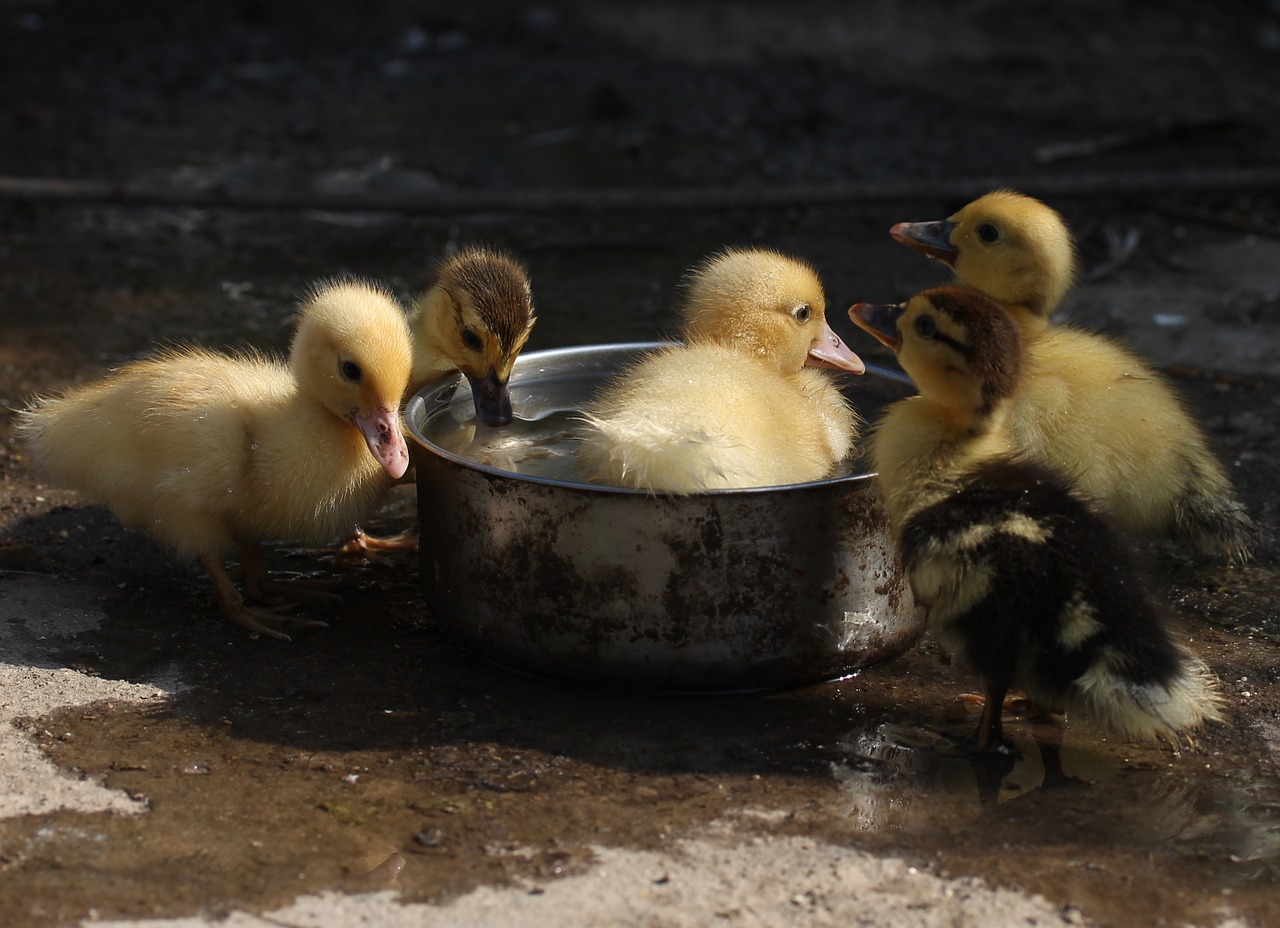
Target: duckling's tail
647,453
1217,524
1112,693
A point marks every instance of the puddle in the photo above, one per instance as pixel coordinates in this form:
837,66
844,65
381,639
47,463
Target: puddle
1071,812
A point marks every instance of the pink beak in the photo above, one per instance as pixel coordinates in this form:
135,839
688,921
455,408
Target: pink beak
381,430
830,352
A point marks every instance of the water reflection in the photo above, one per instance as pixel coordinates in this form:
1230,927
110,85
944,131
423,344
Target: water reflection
1063,784
541,447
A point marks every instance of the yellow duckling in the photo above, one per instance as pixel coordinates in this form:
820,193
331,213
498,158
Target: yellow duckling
1019,575
207,452
736,405
1089,408
475,319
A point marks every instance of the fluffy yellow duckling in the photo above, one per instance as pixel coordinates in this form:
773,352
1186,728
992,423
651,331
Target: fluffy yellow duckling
1020,576
1088,408
208,452
736,405
475,319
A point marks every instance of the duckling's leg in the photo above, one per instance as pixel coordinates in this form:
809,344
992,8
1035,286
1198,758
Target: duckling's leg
233,605
990,734
261,587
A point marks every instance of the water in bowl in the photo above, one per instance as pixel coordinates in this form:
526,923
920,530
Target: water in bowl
533,447
545,447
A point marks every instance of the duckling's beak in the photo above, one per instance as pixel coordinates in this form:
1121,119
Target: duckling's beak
382,433
880,319
492,399
830,352
932,238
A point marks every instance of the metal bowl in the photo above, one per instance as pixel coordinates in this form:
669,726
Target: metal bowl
724,590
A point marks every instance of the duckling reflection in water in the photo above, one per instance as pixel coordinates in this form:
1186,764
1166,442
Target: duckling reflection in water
1019,575
740,403
1088,408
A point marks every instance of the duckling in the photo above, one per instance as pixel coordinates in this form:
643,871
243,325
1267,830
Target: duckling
735,405
1089,408
207,452
1019,574
476,318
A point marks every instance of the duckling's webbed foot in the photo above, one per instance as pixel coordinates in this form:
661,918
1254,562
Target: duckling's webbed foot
267,622
359,545
261,587
1019,705
259,621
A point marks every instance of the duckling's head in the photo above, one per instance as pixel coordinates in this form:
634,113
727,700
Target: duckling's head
351,353
767,302
475,319
1011,247
960,347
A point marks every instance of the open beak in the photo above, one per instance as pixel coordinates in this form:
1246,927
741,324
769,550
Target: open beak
932,238
881,320
492,399
381,430
830,352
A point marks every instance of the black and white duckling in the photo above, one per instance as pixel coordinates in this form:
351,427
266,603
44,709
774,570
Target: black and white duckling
476,318
1088,407
1020,576
209,453
740,403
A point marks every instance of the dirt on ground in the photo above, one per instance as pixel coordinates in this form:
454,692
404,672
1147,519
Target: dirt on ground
376,753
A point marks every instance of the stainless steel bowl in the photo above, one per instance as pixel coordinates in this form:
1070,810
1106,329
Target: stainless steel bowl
725,590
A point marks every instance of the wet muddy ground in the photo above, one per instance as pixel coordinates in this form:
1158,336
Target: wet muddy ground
376,753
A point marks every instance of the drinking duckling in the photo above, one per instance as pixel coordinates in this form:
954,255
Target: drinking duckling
475,319
1089,408
209,452
1019,575
739,404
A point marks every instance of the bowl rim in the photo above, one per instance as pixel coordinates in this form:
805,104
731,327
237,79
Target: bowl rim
441,391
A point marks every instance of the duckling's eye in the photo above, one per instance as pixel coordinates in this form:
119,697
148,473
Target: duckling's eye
989,233
351,370
471,340
802,313
926,327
